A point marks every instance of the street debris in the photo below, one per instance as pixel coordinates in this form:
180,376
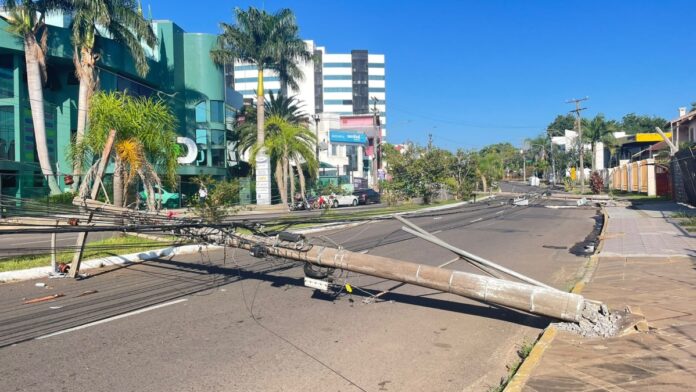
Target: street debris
88,292
43,299
40,284
596,321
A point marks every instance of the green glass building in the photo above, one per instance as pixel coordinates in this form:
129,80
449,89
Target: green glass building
181,72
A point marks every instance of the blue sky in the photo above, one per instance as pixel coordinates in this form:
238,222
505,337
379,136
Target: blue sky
479,72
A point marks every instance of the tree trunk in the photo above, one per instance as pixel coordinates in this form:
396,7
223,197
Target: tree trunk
260,108
484,183
284,193
118,181
279,180
291,178
300,174
36,102
84,66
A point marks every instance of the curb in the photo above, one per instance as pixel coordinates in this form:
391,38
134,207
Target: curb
45,272
519,380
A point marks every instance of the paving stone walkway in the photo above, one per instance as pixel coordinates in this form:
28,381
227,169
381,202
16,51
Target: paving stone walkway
655,277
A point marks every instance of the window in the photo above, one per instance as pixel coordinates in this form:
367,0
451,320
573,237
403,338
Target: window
375,65
338,102
201,115
7,133
133,88
245,68
217,111
6,76
217,156
337,65
376,77
376,89
338,77
217,138
255,79
202,136
334,150
338,90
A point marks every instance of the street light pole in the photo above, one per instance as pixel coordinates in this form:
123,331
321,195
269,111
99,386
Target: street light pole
524,166
316,118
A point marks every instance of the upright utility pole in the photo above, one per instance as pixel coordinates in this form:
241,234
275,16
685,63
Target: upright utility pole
377,141
577,111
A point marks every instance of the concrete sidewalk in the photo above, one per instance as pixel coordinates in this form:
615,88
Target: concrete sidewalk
647,263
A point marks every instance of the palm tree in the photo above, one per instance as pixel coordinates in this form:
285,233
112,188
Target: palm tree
118,20
28,20
287,108
489,167
288,144
269,41
145,142
598,130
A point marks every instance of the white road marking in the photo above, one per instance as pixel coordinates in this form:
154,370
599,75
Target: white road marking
106,320
476,220
500,212
364,251
436,231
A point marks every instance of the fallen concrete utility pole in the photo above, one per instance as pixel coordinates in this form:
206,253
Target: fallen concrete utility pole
418,232
82,237
532,299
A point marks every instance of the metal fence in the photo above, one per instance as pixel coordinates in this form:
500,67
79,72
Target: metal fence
683,167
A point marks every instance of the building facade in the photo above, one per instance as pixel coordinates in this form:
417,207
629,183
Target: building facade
340,92
181,72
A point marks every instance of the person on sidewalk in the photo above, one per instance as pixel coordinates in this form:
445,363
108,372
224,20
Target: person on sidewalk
202,195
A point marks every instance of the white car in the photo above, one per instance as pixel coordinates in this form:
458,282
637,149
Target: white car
342,200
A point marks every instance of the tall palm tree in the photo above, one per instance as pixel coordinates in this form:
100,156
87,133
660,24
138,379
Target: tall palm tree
269,41
118,20
287,108
288,144
598,130
145,142
27,19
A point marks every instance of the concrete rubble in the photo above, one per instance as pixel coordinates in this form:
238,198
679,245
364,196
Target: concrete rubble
597,321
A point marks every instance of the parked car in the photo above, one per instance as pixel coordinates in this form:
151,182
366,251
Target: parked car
169,199
367,196
341,200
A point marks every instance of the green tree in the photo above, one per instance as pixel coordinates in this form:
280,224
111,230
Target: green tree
118,20
562,122
596,130
27,19
269,41
286,144
145,143
633,123
287,108
489,168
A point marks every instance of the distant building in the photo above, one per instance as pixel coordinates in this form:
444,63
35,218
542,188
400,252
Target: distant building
684,127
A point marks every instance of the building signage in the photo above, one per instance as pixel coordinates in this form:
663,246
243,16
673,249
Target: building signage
345,137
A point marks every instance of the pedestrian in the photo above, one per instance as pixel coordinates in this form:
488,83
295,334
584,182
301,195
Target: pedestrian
202,195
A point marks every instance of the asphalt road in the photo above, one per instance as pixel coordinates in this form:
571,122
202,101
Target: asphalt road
223,321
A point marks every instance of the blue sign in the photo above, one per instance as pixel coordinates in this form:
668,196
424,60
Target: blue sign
347,137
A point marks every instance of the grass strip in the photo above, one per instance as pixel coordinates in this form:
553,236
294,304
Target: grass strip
108,247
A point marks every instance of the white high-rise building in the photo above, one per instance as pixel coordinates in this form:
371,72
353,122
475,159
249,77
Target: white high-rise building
341,88
343,84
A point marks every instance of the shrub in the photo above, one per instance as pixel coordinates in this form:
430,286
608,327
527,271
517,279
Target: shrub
596,182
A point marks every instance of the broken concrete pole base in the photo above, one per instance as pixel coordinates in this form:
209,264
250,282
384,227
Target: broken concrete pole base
598,321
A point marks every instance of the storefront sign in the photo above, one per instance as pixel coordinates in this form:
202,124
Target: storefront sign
345,137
